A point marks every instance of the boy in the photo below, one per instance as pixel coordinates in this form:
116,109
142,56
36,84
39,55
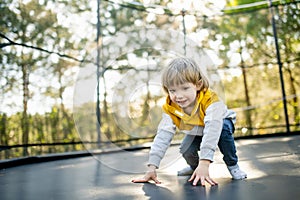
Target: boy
193,108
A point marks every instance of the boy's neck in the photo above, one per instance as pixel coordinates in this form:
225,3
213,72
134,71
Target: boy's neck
189,109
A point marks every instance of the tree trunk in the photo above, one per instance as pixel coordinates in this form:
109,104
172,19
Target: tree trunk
247,111
3,132
295,98
24,120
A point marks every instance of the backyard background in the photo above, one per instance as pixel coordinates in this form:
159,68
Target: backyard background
45,46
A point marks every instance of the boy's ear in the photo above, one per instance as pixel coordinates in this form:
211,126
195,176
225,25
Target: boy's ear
199,85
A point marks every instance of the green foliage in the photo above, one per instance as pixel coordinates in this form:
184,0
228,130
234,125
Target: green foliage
244,6
46,128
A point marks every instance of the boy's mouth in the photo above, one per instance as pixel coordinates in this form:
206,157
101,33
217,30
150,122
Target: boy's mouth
181,102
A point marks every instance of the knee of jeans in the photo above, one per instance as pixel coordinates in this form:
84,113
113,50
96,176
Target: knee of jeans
228,126
190,154
225,134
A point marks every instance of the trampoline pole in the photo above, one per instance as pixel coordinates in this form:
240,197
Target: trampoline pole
280,67
98,122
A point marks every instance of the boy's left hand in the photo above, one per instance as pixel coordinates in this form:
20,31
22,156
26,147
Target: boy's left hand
201,174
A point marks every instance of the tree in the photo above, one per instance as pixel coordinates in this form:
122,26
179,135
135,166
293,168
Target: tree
246,31
30,35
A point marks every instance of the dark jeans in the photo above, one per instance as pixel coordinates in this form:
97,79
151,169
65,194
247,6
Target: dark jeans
191,145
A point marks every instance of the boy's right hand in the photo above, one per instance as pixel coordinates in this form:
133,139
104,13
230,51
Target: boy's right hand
150,175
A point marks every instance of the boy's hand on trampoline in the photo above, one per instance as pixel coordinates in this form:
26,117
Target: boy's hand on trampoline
201,174
150,175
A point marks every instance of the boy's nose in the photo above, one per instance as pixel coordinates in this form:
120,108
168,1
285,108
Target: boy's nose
178,95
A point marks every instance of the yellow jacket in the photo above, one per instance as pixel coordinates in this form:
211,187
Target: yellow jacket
184,121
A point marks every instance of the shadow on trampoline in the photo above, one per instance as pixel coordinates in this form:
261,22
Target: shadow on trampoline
157,192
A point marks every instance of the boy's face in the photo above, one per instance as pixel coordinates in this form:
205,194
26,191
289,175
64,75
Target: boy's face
184,95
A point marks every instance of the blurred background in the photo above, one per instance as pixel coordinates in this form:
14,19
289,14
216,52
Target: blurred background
46,48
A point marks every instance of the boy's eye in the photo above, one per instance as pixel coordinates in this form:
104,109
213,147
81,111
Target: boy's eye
172,91
186,88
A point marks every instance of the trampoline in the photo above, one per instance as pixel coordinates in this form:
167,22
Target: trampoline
272,164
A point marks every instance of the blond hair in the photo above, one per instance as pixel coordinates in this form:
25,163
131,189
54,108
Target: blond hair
182,70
